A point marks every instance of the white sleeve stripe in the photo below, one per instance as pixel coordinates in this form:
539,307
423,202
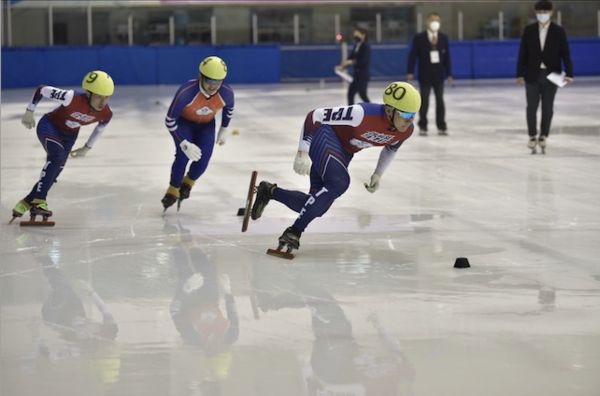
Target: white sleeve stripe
62,96
172,129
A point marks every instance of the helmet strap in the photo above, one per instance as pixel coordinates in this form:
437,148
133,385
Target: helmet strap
391,118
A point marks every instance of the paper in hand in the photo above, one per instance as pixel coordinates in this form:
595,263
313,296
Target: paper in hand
557,79
343,74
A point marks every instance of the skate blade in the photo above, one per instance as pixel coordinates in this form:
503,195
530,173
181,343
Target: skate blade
31,223
280,254
249,200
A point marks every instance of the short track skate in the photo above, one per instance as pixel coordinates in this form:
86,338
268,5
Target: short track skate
249,200
289,240
37,223
280,252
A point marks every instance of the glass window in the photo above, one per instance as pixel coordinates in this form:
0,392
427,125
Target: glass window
29,26
275,25
234,25
193,26
397,24
69,26
480,21
578,20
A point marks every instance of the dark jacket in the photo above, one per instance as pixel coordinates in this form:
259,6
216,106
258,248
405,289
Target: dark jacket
556,49
362,58
420,50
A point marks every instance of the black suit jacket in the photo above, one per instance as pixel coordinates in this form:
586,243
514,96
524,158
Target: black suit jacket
556,50
428,72
362,61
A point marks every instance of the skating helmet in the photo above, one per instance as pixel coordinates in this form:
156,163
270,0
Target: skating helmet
402,96
213,67
98,82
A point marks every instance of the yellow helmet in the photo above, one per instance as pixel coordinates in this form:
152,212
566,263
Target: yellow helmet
98,82
213,67
402,96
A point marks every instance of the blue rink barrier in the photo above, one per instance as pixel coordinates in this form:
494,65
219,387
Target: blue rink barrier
251,64
136,65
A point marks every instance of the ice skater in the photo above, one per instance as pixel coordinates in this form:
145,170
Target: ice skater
58,130
329,139
191,122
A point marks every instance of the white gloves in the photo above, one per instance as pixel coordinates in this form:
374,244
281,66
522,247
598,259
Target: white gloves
192,151
28,120
302,163
225,283
81,151
222,136
373,185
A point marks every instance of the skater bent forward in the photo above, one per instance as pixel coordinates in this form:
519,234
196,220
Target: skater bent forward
58,130
329,139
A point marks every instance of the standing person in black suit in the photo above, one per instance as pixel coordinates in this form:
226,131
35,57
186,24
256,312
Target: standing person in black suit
360,60
543,48
431,49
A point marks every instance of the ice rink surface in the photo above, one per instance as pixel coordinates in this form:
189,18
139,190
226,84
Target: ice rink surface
371,305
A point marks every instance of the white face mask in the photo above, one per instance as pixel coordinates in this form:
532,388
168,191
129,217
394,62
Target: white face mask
542,18
434,26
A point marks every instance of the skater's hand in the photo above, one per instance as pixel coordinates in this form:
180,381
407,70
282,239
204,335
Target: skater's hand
192,151
302,163
81,151
225,283
28,120
373,185
222,136
520,81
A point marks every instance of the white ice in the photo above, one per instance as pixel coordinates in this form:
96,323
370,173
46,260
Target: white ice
371,305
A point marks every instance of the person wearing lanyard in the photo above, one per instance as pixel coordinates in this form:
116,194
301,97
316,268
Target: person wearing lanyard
431,49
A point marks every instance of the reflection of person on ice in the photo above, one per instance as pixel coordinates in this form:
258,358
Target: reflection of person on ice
58,130
191,122
330,137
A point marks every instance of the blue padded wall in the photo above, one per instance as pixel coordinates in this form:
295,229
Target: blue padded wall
29,67
249,64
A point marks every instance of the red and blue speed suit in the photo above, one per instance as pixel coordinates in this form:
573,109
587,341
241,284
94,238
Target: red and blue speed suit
332,136
58,130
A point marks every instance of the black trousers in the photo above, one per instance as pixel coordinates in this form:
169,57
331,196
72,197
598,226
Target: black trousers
534,91
358,85
440,109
